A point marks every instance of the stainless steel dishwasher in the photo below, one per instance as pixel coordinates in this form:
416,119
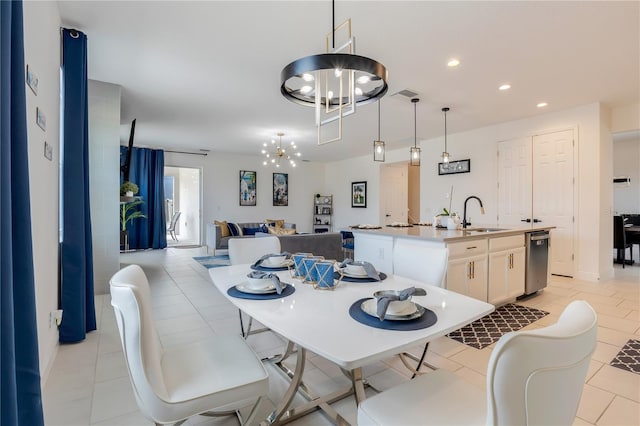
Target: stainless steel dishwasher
537,261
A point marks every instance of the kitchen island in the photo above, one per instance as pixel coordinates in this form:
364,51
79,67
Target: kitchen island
485,262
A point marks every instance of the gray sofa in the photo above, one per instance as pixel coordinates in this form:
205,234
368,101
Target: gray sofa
215,241
326,244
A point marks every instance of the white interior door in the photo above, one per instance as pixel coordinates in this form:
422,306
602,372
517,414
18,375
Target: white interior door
514,181
553,192
394,187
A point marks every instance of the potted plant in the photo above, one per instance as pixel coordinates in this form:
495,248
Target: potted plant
128,212
440,220
128,189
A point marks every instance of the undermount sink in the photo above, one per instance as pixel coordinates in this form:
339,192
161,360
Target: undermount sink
483,229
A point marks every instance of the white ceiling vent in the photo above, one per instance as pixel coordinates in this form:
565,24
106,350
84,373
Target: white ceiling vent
407,93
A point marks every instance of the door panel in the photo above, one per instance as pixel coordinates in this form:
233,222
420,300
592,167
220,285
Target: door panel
553,195
514,181
394,189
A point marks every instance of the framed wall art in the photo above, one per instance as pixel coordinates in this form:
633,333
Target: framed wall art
359,194
280,189
247,188
453,167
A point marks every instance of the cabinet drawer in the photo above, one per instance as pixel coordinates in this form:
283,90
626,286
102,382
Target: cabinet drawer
468,248
504,243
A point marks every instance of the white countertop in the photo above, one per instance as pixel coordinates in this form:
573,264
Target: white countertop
445,235
319,320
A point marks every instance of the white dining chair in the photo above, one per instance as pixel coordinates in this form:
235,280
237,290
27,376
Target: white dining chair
534,377
248,250
210,377
426,264
419,262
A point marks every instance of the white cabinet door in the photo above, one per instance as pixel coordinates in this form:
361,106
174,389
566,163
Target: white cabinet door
468,276
515,275
506,275
498,267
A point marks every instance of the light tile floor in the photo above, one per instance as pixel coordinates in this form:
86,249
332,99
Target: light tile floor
89,385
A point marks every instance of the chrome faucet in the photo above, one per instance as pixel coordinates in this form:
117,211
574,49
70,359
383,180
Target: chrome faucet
465,223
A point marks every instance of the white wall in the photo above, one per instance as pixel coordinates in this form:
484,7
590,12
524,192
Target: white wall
42,54
104,164
221,172
626,162
480,146
625,118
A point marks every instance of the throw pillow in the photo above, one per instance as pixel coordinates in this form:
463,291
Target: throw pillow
280,231
278,223
224,228
263,228
234,230
251,231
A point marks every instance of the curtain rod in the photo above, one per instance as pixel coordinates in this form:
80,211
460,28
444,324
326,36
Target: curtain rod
204,154
185,152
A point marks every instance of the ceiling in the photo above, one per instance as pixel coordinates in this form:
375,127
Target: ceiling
206,75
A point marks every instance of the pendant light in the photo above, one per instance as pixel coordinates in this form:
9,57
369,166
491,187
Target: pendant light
335,82
445,153
414,158
378,145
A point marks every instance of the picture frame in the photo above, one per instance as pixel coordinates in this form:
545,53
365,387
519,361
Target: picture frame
32,80
248,189
454,167
280,189
359,194
326,210
41,119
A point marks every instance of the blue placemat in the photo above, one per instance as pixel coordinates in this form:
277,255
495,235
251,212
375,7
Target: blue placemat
336,276
427,320
262,268
287,291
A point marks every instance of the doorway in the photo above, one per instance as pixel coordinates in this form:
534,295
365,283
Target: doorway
182,193
399,193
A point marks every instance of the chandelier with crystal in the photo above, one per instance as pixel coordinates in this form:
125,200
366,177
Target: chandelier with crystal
275,154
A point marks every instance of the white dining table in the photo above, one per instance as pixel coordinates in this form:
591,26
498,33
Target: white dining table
319,321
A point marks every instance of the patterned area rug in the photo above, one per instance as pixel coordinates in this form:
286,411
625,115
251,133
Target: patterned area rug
489,329
629,357
213,261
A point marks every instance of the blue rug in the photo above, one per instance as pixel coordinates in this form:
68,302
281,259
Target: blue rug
213,261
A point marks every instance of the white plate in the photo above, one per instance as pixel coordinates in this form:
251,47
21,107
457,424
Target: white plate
370,306
351,275
244,288
284,264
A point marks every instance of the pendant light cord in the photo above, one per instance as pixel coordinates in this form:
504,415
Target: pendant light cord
445,131
415,124
333,23
378,119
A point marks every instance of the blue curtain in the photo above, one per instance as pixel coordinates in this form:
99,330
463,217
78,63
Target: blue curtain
21,401
147,171
76,251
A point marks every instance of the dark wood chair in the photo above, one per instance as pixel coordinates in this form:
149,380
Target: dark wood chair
620,242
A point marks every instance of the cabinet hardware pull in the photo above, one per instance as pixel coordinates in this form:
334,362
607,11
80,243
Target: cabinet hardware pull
473,269
469,270
472,247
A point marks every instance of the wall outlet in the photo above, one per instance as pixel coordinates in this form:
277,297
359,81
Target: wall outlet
55,317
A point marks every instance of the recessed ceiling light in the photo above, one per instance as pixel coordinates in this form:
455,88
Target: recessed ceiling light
542,104
453,62
504,87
